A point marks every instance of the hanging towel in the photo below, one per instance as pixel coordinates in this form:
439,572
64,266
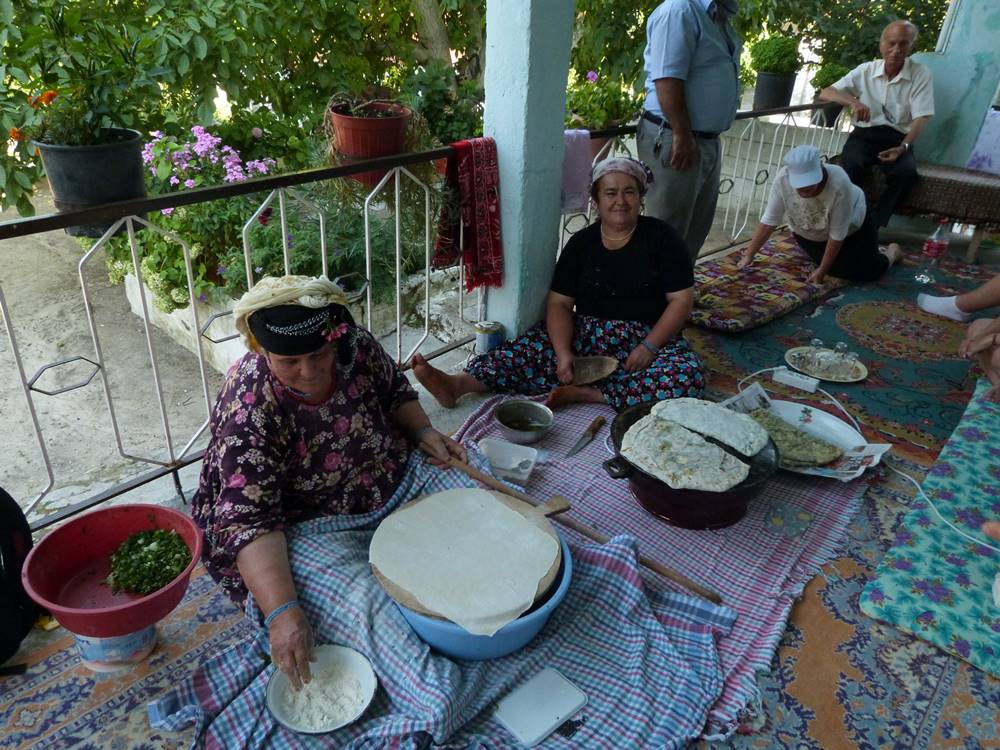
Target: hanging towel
576,171
472,202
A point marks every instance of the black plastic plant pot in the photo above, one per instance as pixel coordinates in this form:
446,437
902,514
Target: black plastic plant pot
773,91
88,176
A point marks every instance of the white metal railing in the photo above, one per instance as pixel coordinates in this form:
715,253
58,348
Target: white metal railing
760,145
169,454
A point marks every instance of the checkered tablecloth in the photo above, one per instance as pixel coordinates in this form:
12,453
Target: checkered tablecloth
759,565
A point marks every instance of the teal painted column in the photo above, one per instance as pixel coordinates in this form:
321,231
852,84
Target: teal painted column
527,59
966,73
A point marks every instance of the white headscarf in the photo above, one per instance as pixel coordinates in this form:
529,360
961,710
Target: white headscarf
632,167
272,291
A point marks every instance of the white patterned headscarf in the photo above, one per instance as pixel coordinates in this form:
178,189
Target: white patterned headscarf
632,167
272,291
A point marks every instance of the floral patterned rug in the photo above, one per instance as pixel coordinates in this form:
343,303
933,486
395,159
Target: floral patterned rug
841,679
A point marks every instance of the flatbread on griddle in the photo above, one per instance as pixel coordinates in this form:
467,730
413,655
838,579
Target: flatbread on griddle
738,431
797,449
681,458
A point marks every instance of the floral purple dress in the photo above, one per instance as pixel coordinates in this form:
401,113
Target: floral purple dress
274,460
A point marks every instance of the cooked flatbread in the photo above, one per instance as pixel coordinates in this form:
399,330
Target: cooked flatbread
738,431
591,369
797,449
681,458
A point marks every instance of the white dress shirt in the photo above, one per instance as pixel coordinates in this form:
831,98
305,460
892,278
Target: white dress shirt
896,103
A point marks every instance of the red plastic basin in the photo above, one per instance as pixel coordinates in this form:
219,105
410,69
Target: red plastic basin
65,572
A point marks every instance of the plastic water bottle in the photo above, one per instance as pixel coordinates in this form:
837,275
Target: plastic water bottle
934,247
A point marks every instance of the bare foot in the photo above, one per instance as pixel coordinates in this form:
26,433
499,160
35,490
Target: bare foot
573,394
444,387
437,383
992,529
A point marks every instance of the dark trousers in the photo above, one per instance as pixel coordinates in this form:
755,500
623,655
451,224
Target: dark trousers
861,151
859,258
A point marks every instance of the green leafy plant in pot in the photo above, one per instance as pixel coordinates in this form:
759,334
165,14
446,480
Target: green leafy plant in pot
359,128
84,80
827,75
776,60
595,103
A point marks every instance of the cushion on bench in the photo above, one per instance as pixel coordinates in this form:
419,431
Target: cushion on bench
731,299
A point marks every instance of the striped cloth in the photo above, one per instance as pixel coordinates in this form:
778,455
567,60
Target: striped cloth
647,661
759,565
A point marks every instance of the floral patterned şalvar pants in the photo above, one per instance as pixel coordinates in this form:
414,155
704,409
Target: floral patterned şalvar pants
527,364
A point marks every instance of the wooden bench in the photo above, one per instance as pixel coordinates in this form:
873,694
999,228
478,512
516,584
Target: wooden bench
966,196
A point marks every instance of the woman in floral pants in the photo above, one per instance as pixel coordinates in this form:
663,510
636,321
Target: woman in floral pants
623,287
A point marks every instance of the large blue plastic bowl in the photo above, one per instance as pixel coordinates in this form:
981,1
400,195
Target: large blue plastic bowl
451,640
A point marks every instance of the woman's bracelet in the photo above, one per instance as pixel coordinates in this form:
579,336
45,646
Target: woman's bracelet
278,610
653,349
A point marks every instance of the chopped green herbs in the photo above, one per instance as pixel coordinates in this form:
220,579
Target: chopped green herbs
147,561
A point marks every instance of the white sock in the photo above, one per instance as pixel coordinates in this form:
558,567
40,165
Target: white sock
944,306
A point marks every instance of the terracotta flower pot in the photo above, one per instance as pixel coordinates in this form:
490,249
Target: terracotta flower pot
360,138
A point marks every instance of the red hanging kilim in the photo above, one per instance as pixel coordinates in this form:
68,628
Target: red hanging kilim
474,186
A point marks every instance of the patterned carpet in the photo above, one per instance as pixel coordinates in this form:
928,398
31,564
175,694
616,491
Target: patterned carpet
841,679
60,703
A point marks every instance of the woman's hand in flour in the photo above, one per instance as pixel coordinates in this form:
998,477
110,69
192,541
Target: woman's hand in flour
291,639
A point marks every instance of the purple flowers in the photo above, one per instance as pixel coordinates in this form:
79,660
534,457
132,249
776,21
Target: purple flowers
972,517
592,76
257,133
932,589
204,155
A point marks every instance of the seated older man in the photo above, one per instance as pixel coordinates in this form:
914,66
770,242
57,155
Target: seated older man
892,99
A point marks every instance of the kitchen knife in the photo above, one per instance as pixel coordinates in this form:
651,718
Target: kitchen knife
587,436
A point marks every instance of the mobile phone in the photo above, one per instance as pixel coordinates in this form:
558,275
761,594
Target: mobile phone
532,711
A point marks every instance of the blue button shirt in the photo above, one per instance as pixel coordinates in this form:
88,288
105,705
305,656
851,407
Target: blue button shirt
682,41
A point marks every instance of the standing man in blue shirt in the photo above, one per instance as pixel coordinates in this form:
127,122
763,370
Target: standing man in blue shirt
692,62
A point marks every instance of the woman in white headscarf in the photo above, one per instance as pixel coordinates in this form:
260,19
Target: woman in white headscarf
315,420
623,287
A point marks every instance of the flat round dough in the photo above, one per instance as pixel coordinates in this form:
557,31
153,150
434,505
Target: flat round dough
466,555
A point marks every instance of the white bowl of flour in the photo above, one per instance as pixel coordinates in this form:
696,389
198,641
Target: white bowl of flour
342,686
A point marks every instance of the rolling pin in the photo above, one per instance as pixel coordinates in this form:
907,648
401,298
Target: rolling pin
562,505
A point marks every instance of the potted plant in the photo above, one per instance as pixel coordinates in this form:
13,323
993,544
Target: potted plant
776,60
595,104
827,75
362,127
84,80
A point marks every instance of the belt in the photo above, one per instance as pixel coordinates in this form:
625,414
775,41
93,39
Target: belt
657,120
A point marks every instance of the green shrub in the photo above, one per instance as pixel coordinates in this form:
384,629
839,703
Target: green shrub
593,103
776,54
827,75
